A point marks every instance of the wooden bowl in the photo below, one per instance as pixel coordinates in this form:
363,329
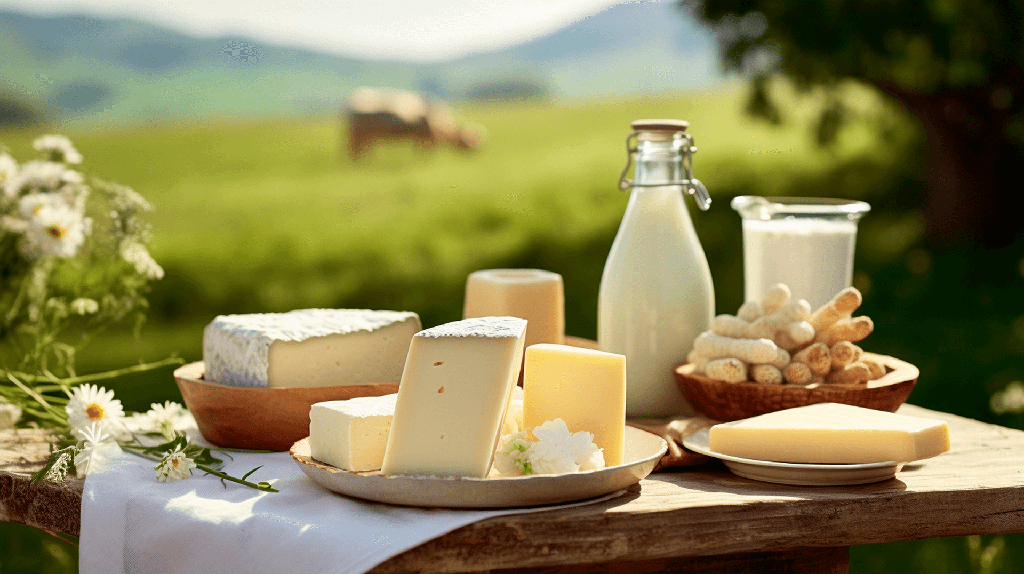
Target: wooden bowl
258,418
733,401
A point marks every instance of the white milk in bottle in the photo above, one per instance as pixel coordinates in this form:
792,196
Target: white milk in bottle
656,293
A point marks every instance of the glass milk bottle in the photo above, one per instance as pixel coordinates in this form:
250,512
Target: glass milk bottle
656,293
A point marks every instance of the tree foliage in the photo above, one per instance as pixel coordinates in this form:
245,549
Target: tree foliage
955,65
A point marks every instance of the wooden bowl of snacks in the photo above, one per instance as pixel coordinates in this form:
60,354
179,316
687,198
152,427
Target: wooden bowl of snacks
258,418
727,401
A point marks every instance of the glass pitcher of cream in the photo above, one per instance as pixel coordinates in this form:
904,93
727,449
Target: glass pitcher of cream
805,242
656,293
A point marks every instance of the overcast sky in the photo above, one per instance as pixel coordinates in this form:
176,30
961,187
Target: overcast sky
394,29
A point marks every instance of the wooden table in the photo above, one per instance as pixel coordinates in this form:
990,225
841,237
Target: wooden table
702,520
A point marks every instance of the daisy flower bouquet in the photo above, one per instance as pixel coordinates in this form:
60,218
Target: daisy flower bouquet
73,262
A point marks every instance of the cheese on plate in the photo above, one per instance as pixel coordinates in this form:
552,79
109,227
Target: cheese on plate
352,434
308,348
831,433
583,387
453,397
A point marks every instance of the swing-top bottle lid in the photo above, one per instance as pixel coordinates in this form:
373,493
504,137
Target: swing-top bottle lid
659,125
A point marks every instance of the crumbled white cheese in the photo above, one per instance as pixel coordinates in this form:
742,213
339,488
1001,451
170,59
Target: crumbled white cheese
556,451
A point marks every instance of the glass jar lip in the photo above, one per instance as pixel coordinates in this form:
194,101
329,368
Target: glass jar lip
764,208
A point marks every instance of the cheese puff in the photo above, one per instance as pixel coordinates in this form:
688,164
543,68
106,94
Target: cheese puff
791,312
844,353
749,311
797,373
747,350
842,305
782,358
698,361
853,374
817,357
729,369
776,297
767,374
853,330
876,368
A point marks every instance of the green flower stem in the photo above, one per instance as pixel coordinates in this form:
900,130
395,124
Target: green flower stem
49,408
98,376
262,486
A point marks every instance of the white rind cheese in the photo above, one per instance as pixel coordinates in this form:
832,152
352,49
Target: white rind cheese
453,397
308,347
352,434
831,433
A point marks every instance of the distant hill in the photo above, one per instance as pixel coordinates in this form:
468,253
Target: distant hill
87,70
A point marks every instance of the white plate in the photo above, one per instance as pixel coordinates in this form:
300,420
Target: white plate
642,452
793,473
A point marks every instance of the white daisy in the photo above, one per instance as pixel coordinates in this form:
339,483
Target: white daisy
175,466
165,418
38,175
90,404
136,254
55,230
30,205
8,170
84,306
57,148
97,446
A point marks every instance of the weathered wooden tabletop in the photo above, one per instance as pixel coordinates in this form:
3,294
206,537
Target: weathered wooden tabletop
704,519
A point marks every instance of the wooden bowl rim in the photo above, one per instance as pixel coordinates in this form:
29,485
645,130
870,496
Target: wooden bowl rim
901,372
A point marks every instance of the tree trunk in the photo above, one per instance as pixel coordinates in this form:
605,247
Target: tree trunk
971,170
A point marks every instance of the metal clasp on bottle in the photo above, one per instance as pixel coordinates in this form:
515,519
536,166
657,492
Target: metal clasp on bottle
692,185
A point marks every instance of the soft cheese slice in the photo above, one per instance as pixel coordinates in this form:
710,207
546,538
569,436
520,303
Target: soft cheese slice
353,434
831,433
308,347
583,387
532,294
453,397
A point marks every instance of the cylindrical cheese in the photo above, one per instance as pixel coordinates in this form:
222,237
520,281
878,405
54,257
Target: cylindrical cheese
532,294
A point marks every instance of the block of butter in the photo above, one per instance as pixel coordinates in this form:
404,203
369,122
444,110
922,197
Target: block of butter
532,294
583,387
831,433
308,347
453,397
352,434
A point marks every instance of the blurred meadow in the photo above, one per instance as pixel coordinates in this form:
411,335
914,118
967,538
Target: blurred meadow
267,213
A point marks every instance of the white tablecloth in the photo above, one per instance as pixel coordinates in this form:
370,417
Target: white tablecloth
132,523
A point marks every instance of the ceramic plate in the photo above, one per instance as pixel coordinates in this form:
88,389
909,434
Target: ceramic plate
642,452
792,473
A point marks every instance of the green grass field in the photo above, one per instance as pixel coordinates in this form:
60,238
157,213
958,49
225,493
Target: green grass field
266,216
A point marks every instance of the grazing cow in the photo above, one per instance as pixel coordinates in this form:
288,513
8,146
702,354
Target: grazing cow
377,115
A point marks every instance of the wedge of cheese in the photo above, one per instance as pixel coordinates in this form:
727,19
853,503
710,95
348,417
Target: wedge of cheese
308,347
453,397
831,433
353,434
583,387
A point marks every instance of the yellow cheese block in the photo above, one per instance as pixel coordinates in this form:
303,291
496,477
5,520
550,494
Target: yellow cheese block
831,433
583,387
532,294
